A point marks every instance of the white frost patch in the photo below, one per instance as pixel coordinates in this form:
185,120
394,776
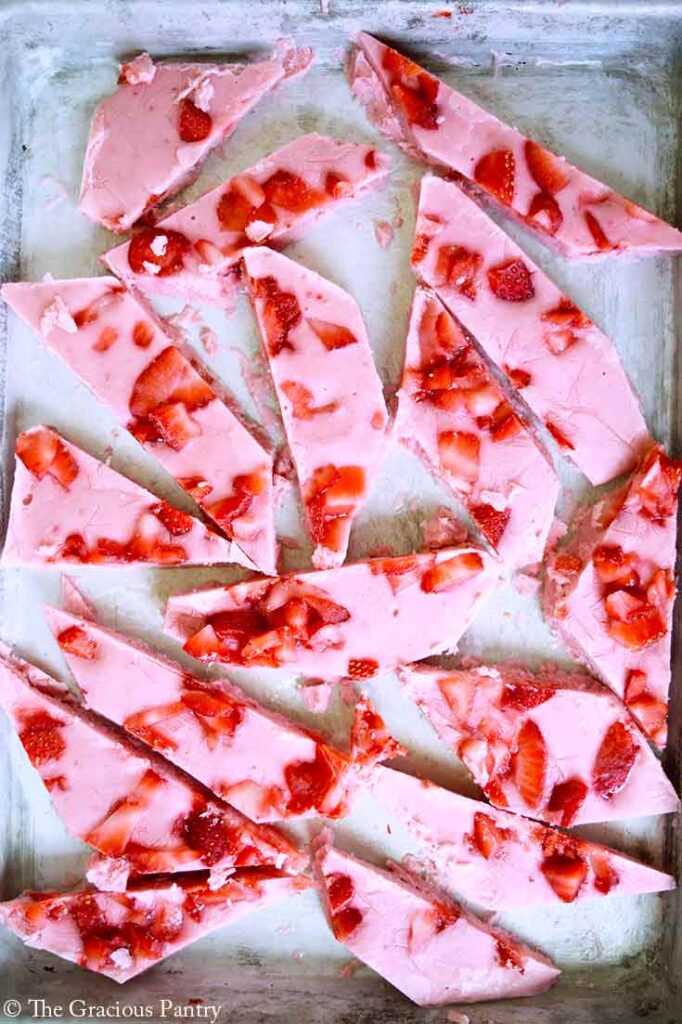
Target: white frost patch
57,315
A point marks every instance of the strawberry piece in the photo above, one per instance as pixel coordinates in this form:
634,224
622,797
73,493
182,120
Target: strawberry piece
650,712
336,186
196,487
143,334
565,874
41,737
614,762
332,336
559,435
218,716
612,565
459,267
459,454
340,890
42,451
509,955
524,696
394,569
598,233
661,590
642,628
330,496
567,565
503,424
158,252
76,641
566,314
302,401
661,477
519,378
280,313
291,192
487,836
175,426
167,379
145,725
545,213
345,922
529,763
194,124
492,522
108,336
623,605
545,168
370,160
362,668
234,210
420,248
450,572
207,831
511,281
605,875
567,798
115,831
74,548
370,740
177,523
246,487
496,172
203,645
309,782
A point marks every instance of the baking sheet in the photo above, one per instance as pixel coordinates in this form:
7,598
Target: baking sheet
599,87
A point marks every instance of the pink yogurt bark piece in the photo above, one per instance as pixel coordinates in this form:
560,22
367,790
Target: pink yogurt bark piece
566,208
563,366
70,508
499,860
610,592
194,252
149,138
124,355
136,811
557,746
262,764
351,622
122,934
454,416
417,938
329,392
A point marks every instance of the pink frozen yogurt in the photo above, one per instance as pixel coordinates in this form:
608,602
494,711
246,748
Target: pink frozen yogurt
562,365
122,934
567,208
499,860
194,252
350,622
149,139
453,414
328,388
136,811
557,746
610,592
124,355
417,938
261,763
69,508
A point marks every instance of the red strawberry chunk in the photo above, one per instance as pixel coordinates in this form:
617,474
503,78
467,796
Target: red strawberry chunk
143,334
605,875
661,477
167,379
204,645
302,401
194,124
643,627
234,210
459,454
291,192
362,668
545,168
177,523
565,874
346,922
41,736
492,522
496,172
336,186
43,452
108,336
524,696
504,423
174,424
340,890
509,955
567,798
208,832
459,267
615,760
529,764
450,572
545,213
309,782
280,313
559,436
511,281
158,252
519,378
612,565
74,548
76,641
332,336
420,248
598,233
487,836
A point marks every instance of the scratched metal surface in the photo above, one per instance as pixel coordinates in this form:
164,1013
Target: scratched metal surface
597,81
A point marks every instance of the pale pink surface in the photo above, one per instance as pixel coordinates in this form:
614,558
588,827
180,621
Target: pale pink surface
331,400
512,476
452,830
582,391
222,450
426,945
464,708
461,133
145,924
99,504
121,803
241,751
135,156
383,616
574,600
209,265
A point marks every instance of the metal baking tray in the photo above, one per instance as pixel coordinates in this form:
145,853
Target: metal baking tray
596,80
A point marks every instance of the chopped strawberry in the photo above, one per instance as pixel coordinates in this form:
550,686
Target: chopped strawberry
291,192
340,890
519,378
108,336
420,248
503,424
451,571
545,168
492,522
567,565
650,712
511,281
204,645
612,565
509,955
598,233
487,836
394,569
566,314
143,334
370,740
218,716
565,874
158,252
169,378
605,875
660,591
459,267
301,399
346,922
76,641
74,548
660,483
332,336
147,725
336,186
459,454
495,172
42,451
175,426
642,628
41,736
623,605
524,696
208,831
330,497
559,435
115,831
567,798
177,523
545,213
615,760
530,763
194,124
234,210
362,668
280,313
309,782
196,487
371,159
